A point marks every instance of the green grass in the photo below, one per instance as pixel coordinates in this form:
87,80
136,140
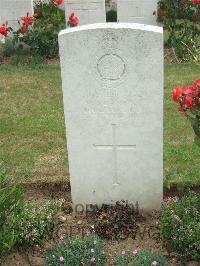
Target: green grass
32,136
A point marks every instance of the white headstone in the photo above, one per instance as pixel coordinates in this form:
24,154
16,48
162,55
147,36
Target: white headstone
87,11
137,11
12,10
112,80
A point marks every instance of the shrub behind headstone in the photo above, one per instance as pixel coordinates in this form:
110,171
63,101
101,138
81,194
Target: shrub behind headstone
42,36
181,21
111,16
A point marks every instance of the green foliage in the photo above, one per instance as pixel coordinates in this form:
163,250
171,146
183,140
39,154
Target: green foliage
19,53
184,32
11,207
140,258
77,251
26,60
1,53
20,222
36,221
196,123
9,47
111,16
179,10
42,37
180,226
197,140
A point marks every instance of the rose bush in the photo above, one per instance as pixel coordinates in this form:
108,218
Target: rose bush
40,31
189,100
181,20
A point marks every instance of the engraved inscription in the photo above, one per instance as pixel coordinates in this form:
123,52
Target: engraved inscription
111,67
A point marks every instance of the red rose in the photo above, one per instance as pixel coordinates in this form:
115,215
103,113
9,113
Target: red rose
193,90
71,15
188,98
73,20
24,28
28,20
59,2
177,92
3,30
188,101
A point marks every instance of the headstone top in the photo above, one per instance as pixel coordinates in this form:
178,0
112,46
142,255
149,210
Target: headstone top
134,26
137,11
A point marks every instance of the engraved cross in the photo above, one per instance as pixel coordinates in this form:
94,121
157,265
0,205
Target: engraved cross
114,147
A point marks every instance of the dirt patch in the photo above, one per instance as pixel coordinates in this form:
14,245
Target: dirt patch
52,61
44,192
174,191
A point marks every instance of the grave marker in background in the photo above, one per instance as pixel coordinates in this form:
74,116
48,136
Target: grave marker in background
112,80
137,11
87,11
12,10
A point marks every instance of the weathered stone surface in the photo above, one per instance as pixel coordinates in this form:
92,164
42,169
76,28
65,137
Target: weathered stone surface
112,79
88,11
137,11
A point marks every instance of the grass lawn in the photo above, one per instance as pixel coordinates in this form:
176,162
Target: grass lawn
32,137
